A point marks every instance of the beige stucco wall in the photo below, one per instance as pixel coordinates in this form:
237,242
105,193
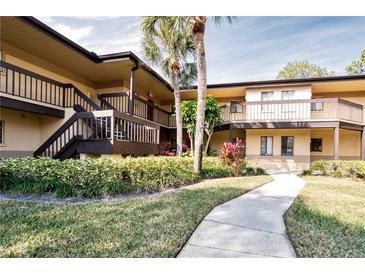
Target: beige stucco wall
21,133
25,132
38,65
219,137
300,159
350,144
300,92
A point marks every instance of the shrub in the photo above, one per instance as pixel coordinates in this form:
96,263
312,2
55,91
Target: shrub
169,149
340,168
229,152
98,177
260,171
306,172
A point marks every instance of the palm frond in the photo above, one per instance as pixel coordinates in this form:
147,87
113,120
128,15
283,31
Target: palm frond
167,43
188,75
218,20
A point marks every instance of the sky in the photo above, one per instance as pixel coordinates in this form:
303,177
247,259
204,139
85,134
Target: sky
253,48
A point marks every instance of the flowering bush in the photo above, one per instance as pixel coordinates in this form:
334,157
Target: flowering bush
169,149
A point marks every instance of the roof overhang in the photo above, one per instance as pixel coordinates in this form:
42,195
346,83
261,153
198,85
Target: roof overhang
350,83
35,37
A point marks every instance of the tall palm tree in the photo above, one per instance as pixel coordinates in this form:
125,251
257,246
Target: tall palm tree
168,43
197,26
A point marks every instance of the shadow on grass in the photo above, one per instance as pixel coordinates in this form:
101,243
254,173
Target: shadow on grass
142,227
317,235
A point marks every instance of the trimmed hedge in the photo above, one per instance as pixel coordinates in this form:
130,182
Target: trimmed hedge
338,168
100,177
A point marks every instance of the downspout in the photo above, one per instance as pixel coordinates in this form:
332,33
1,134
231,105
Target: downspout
131,91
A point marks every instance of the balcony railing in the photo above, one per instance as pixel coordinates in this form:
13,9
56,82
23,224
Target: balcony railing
26,84
294,110
142,108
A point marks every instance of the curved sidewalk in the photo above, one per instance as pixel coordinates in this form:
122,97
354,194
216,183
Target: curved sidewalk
251,225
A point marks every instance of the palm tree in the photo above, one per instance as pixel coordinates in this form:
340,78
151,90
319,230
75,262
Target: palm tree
197,26
168,43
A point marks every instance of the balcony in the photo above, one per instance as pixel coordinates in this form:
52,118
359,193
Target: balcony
25,86
328,109
141,108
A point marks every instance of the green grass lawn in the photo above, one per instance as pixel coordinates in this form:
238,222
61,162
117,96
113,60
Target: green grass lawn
328,218
141,227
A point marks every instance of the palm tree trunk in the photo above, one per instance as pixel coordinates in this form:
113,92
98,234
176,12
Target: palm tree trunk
202,90
179,133
208,142
191,137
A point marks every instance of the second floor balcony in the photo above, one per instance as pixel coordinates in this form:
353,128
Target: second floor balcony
324,109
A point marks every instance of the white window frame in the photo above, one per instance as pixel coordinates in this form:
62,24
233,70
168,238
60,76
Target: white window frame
266,108
266,146
288,107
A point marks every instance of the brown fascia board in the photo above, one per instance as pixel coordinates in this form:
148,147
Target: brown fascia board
286,81
30,20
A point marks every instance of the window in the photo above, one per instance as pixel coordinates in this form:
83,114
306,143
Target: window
236,107
266,145
266,96
287,95
287,145
1,132
317,106
316,144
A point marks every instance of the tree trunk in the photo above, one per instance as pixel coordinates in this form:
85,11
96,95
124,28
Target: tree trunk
208,142
191,144
202,89
179,133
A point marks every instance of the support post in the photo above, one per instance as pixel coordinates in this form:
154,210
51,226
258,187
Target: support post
336,142
131,91
230,133
363,144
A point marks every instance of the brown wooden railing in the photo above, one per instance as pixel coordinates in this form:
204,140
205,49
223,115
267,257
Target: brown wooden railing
299,110
142,108
99,125
118,101
23,83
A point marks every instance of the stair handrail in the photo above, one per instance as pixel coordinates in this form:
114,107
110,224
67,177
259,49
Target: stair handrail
93,105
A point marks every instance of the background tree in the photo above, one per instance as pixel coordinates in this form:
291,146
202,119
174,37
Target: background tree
212,119
357,67
188,109
168,43
303,69
197,26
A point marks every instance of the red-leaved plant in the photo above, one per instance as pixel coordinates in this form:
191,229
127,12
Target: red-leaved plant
229,153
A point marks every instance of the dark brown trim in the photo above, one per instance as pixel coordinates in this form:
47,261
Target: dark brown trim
286,81
95,146
6,102
284,125
119,147
117,94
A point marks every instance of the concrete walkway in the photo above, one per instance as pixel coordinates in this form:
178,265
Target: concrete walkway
251,225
